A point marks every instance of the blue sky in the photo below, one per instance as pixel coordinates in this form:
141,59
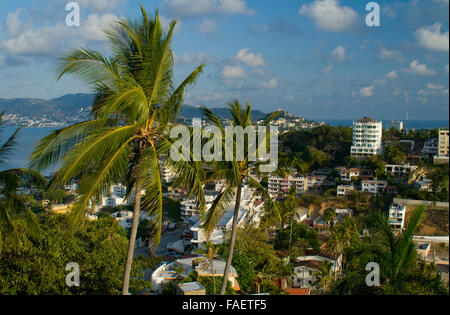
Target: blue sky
314,58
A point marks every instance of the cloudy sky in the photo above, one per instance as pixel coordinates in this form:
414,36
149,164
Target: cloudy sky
315,58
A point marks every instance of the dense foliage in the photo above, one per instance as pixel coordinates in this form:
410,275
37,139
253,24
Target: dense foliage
99,248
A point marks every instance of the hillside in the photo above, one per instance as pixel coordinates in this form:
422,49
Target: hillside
72,108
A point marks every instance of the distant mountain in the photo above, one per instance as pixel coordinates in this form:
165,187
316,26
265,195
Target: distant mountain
72,108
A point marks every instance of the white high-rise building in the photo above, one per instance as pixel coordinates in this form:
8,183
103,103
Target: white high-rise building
367,137
443,142
397,124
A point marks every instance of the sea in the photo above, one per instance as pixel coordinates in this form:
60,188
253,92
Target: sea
412,124
29,138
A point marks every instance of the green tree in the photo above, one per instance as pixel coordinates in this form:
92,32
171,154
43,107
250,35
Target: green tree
400,270
135,102
207,261
234,173
14,206
324,275
98,247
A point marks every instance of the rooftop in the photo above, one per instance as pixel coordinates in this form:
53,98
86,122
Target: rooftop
367,120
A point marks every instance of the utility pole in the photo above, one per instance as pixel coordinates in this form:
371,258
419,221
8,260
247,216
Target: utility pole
407,107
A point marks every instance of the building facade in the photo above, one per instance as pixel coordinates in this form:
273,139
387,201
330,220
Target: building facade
367,137
443,150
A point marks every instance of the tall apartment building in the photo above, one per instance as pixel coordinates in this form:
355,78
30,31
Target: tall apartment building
443,142
279,187
397,124
397,214
367,137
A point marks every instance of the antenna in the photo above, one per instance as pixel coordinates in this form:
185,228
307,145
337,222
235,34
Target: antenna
407,105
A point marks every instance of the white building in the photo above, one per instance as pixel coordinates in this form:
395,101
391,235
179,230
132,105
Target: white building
367,137
344,190
306,267
403,170
373,186
315,181
397,214
279,187
443,142
347,175
250,211
189,207
167,272
425,184
167,175
124,218
397,125
430,147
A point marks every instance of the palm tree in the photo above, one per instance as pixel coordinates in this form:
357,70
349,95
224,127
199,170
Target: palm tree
324,275
343,235
235,173
289,210
329,216
136,101
207,261
13,206
400,270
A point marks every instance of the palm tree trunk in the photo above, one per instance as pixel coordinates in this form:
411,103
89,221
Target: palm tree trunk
214,277
290,233
233,239
134,227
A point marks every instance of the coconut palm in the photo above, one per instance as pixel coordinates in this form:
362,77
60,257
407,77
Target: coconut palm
324,275
343,235
207,261
235,173
136,101
288,210
13,206
400,270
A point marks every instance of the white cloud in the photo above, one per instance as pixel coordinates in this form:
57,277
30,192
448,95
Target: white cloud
328,15
339,54
432,86
446,67
391,75
366,91
208,26
420,69
431,37
327,70
208,97
12,23
233,72
271,84
260,72
191,58
97,5
49,39
165,22
249,58
388,54
180,8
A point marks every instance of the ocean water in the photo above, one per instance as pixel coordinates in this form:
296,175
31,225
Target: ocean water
412,124
26,142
